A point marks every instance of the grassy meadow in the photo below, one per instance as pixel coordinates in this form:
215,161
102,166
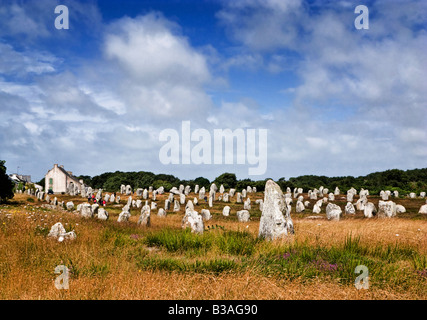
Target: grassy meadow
111,260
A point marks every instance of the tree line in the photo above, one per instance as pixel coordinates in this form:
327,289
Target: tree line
403,181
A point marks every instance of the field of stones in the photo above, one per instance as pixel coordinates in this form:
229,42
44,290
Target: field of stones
189,244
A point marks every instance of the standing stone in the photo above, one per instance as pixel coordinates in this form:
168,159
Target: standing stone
422,194
122,189
226,211
273,224
189,205
176,206
187,190
70,205
138,203
202,193
86,210
144,218
386,209
102,214
349,208
206,214
167,204
244,193
194,221
313,196
195,201
370,210
331,197
154,195
182,198
139,192
213,187
239,197
153,206
336,191
225,197
196,188
161,212
248,189
317,206
145,194
123,216
210,202
128,190
247,204
58,231
243,215
299,207
232,192
350,196
118,199
412,195
423,209
221,189
400,208
333,212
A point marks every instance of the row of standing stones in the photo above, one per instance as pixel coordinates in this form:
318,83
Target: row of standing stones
275,221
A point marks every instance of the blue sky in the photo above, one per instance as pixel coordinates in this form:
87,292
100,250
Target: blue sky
335,100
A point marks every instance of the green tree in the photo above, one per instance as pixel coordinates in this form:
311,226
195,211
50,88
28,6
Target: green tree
6,185
228,180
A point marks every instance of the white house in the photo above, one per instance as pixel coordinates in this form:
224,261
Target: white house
59,180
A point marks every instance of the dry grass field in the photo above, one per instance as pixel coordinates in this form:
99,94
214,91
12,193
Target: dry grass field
111,260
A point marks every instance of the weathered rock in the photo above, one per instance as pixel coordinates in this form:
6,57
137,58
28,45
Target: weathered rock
195,201
176,206
369,211
221,189
145,194
167,204
182,198
247,204
317,208
128,190
273,224
349,208
194,221
243,215
153,206
412,195
400,208
239,198
206,214
331,197
225,197
386,209
232,192
138,203
144,218
333,211
86,210
70,205
95,208
226,211
102,214
123,216
299,207
57,231
423,209
161,212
